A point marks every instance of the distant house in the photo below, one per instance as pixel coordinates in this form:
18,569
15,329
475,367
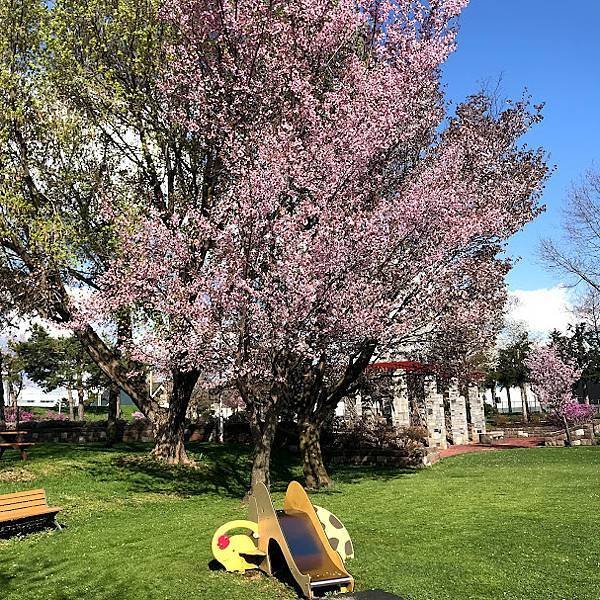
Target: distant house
33,396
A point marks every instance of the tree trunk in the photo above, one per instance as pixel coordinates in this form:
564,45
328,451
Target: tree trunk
524,404
80,397
263,435
113,415
169,422
14,403
70,400
315,473
220,422
586,393
567,431
508,397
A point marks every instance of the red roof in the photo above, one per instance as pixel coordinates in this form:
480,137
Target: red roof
404,365
414,366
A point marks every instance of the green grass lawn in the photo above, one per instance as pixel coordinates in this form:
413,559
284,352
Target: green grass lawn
93,413
517,524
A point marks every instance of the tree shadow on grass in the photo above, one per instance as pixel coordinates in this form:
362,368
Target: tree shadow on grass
355,474
222,470
68,451
44,568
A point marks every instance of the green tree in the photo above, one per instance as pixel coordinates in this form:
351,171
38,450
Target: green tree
580,346
510,369
54,362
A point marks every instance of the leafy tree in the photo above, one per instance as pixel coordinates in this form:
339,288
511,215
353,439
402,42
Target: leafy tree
510,368
250,205
344,218
580,345
82,108
54,362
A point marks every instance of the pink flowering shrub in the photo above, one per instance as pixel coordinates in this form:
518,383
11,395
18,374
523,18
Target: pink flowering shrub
552,381
578,413
52,415
138,416
10,414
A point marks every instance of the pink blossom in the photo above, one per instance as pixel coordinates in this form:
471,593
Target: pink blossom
552,381
338,201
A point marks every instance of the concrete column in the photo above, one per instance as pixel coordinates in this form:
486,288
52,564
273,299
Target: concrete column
434,406
476,404
400,407
458,414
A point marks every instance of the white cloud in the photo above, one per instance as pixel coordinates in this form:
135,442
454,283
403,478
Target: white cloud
541,310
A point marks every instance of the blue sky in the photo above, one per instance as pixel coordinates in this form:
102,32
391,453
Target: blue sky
552,49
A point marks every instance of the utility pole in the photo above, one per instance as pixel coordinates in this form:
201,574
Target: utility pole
2,415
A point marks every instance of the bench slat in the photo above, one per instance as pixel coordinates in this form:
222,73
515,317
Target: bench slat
28,499
20,505
22,494
24,506
16,444
28,513
21,498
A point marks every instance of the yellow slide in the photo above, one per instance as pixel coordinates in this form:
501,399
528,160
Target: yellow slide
296,534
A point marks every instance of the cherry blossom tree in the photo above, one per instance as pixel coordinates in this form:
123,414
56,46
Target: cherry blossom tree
265,193
552,381
346,211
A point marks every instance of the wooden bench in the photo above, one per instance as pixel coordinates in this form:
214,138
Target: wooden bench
25,511
19,446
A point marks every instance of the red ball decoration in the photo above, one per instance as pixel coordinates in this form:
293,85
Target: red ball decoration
223,542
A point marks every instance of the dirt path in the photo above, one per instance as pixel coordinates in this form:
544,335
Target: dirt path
531,442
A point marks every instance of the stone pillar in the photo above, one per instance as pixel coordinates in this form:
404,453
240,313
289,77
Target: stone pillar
358,405
458,414
476,404
434,405
400,408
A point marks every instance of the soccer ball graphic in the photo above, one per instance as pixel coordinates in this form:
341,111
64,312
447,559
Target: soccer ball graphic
336,533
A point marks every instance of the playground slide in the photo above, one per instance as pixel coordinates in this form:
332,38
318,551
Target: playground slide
298,535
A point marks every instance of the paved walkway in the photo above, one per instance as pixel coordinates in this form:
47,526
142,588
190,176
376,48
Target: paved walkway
531,442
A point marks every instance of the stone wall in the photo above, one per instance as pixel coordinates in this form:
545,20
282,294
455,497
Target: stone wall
580,436
380,457
75,432
82,432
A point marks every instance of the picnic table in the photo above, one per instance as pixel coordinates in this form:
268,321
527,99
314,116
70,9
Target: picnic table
14,439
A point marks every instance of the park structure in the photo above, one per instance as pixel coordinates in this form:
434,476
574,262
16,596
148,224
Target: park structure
414,394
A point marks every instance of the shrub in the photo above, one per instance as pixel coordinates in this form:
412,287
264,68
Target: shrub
138,416
52,415
377,434
501,421
577,413
10,415
489,410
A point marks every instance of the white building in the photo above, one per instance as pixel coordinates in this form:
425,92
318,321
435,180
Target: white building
501,397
